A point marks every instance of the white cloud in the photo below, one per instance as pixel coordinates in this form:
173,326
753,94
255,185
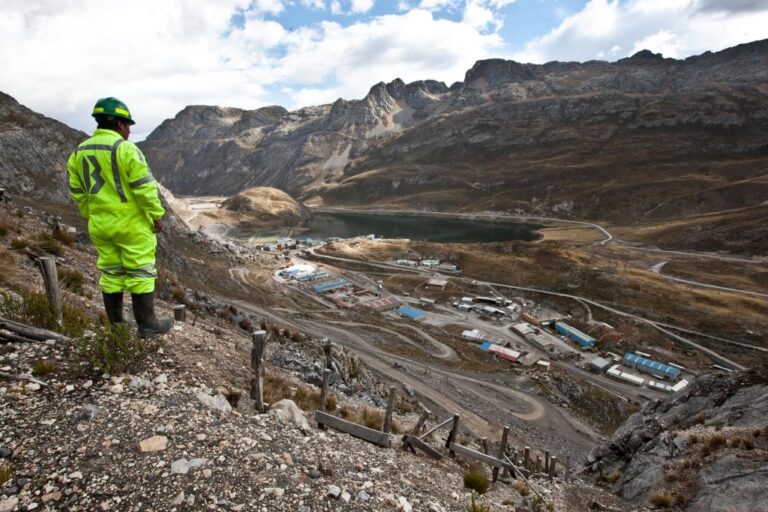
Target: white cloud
675,28
360,6
412,46
189,52
434,5
314,4
477,15
59,56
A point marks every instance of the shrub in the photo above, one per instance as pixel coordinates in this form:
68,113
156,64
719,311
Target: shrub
661,499
43,367
476,481
72,280
19,244
693,439
5,473
612,477
477,507
521,487
112,349
4,229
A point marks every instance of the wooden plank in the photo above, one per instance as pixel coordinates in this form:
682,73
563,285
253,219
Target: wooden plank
28,331
366,434
478,456
436,427
421,445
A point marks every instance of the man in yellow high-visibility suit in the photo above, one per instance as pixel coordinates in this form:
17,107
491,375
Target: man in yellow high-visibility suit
112,185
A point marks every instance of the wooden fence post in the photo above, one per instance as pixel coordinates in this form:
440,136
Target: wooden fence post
180,313
552,468
502,449
328,350
390,409
259,339
538,464
47,266
452,434
546,461
324,394
527,463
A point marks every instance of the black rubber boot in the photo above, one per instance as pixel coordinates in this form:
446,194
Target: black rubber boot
113,304
144,312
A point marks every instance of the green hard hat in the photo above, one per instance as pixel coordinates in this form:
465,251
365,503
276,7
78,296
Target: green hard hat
112,107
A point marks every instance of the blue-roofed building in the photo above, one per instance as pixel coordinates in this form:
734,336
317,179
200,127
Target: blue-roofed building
584,340
412,313
326,287
650,366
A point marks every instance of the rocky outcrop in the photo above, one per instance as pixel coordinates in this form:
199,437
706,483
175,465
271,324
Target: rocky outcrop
694,449
33,152
261,207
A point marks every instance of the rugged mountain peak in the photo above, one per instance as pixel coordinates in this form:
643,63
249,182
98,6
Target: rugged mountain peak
645,55
497,71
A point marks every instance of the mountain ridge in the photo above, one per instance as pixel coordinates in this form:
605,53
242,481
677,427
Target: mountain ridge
510,130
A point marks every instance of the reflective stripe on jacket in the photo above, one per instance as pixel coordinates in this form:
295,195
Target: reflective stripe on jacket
109,173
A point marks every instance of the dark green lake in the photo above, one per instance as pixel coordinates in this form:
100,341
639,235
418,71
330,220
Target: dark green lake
431,229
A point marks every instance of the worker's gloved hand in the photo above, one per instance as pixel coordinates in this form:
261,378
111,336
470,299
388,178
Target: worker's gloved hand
158,225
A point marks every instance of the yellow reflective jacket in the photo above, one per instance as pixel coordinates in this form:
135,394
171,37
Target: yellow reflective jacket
110,174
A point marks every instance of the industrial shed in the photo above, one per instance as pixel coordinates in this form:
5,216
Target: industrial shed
584,340
650,366
503,352
412,313
326,287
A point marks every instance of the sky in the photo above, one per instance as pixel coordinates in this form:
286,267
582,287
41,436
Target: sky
58,57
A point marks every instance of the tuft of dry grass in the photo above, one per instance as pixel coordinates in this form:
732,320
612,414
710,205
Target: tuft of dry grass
8,266
43,367
72,280
49,244
716,441
372,418
476,481
662,499
19,244
612,477
521,487
5,473
65,238
278,387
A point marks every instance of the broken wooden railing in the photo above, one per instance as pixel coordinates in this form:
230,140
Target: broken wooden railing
378,437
